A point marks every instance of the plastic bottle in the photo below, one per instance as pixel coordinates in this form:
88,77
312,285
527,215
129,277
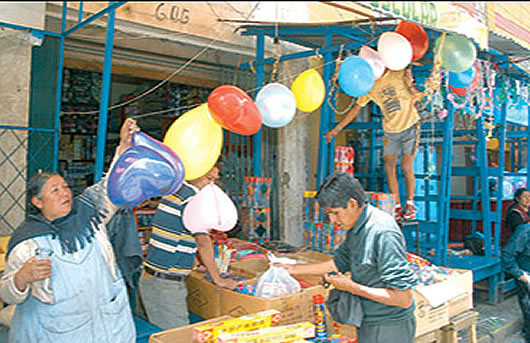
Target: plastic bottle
319,310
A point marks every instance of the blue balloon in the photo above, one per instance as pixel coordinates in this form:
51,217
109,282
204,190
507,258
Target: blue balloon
463,79
148,169
277,105
356,77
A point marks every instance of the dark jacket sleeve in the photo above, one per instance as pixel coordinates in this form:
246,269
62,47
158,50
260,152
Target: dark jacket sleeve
516,245
513,220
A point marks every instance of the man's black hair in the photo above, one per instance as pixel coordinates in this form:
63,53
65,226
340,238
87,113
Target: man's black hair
338,188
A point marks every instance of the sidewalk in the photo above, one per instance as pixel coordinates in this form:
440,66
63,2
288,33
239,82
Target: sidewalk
499,323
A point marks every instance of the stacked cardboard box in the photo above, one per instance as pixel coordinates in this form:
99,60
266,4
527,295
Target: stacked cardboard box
256,211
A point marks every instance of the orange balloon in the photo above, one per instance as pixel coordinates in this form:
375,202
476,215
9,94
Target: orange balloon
234,110
417,37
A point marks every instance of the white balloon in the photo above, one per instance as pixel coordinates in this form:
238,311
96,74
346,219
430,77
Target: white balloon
211,208
277,105
395,50
374,60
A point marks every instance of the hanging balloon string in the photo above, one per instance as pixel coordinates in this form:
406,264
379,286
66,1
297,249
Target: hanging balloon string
333,92
433,83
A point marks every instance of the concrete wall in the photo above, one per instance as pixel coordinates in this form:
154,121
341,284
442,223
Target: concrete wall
298,151
15,63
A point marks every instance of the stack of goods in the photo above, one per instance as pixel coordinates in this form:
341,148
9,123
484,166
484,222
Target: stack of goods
344,158
426,272
258,327
143,220
319,234
256,210
383,201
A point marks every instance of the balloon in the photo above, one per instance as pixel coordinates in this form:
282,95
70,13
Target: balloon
416,36
197,139
463,79
147,169
356,76
374,60
309,90
395,50
462,91
211,208
234,110
457,54
277,105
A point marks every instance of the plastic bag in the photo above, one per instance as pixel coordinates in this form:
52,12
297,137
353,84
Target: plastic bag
276,281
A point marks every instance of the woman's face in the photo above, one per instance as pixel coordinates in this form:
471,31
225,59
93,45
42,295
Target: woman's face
56,200
524,199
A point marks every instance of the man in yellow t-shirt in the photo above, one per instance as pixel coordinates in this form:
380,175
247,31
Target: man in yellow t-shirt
395,94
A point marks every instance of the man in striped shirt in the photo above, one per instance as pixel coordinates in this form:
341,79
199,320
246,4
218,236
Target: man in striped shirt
171,257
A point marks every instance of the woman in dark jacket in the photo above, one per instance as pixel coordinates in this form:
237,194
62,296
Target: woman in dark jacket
517,213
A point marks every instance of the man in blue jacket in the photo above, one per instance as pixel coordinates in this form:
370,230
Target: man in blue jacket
516,261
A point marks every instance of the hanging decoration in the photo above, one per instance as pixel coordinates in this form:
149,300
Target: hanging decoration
457,53
356,77
416,36
374,60
277,105
197,139
395,50
309,90
234,110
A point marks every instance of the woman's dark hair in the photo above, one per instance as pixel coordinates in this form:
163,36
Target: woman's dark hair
34,189
338,188
518,193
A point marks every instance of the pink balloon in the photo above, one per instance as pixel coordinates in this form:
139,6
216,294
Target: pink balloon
211,208
374,60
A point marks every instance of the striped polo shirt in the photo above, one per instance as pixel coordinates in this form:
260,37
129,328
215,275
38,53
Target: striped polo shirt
172,247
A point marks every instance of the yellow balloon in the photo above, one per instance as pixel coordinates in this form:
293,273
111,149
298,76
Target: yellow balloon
309,90
197,140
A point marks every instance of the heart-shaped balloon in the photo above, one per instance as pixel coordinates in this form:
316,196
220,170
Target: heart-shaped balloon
147,169
211,208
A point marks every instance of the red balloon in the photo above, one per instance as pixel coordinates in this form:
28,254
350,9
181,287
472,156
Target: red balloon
473,84
234,110
417,37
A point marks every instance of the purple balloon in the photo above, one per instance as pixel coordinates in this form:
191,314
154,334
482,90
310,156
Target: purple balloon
148,169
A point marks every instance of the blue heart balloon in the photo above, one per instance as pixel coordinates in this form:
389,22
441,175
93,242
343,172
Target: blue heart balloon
148,169
356,76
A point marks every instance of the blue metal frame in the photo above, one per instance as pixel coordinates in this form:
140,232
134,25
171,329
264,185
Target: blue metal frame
487,266
105,91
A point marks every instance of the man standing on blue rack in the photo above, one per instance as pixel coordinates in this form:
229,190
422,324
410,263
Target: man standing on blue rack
394,92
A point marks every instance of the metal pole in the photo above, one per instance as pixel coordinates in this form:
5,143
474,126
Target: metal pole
104,103
260,70
59,91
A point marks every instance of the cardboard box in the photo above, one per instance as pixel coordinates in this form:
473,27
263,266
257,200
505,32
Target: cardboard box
181,335
210,332
438,302
204,298
295,308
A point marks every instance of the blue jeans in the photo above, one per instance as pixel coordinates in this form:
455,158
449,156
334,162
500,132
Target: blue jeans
164,301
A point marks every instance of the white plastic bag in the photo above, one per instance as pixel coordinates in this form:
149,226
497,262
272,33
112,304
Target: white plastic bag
276,281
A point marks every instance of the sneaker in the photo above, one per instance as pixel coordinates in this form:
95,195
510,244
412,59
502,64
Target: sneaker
410,212
398,213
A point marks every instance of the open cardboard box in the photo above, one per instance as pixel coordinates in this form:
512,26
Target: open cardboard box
437,303
183,334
